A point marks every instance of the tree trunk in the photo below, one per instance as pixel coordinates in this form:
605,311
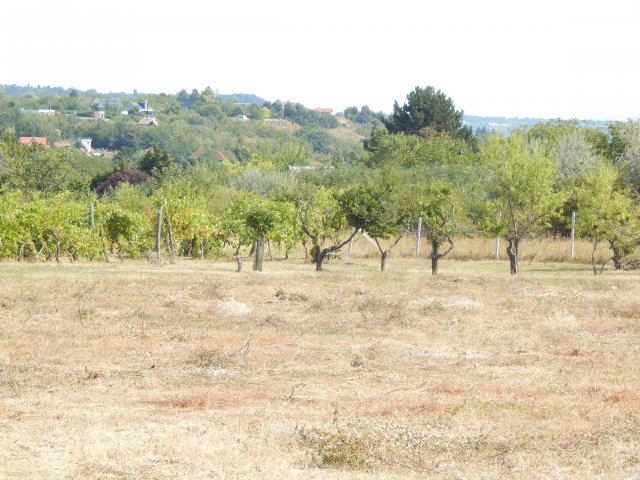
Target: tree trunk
617,258
239,262
435,256
306,251
169,240
593,259
57,248
512,252
20,251
319,258
257,261
383,260
617,262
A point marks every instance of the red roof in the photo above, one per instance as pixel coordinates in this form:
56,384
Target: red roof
221,156
324,110
33,140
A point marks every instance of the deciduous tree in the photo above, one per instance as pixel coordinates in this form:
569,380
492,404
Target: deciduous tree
521,195
607,214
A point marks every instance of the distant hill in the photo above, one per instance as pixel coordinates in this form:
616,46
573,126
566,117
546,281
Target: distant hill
46,90
247,98
505,125
478,123
18,90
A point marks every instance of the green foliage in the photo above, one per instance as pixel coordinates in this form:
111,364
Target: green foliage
319,140
363,207
439,207
522,198
321,213
34,168
233,226
607,214
298,113
35,226
411,151
127,233
428,110
266,183
261,219
323,220
625,149
193,229
574,155
364,116
157,162
287,231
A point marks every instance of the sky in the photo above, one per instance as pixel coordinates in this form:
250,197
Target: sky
513,58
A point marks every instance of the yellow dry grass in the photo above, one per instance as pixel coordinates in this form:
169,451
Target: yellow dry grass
190,370
536,250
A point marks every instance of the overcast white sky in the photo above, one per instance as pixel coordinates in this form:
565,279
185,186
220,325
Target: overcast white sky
542,58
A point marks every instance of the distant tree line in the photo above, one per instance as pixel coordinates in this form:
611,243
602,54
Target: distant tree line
421,170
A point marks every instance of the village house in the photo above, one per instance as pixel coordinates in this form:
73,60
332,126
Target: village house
33,141
148,121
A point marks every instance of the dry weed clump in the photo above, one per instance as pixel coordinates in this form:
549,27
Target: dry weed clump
211,359
293,297
368,445
338,449
200,401
382,311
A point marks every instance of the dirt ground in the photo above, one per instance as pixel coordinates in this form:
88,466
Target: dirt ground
191,370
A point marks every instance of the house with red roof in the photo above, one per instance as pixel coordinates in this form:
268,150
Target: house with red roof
33,140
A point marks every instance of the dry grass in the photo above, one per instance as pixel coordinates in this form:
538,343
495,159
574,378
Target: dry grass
535,250
190,370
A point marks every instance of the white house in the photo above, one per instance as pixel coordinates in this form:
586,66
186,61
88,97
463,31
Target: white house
85,144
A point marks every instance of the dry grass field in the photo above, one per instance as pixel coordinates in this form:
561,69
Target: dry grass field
191,370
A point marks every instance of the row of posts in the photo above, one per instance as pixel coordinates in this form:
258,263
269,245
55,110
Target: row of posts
572,239
418,234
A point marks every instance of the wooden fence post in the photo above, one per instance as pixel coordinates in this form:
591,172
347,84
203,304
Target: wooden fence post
573,234
259,255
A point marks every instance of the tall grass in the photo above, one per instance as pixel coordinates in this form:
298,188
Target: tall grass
542,250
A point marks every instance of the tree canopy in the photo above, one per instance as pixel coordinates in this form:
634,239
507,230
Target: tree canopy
428,109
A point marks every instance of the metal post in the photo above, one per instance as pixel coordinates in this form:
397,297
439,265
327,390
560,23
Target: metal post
418,235
91,216
573,234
